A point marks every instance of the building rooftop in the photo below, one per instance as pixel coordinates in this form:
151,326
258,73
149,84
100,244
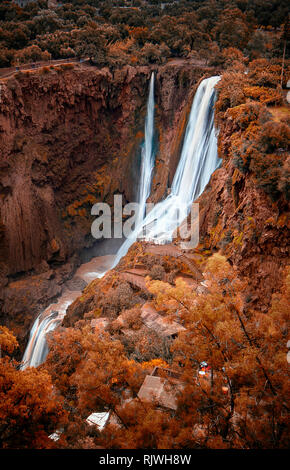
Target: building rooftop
161,325
162,387
98,419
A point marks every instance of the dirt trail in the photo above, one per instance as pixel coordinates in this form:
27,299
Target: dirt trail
174,251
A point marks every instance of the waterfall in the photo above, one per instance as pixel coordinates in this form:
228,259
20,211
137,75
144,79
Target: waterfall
147,165
197,162
147,155
37,349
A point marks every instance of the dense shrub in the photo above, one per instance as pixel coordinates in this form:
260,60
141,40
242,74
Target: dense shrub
260,138
120,298
244,114
230,91
263,94
30,54
263,73
214,31
275,136
157,272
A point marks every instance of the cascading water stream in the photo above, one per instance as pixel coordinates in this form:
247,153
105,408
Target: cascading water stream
197,163
147,166
37,349
147,160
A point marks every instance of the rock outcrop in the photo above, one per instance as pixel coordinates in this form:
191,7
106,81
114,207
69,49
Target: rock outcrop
69,137
239,219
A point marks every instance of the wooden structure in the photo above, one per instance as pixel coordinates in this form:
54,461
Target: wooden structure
175,252
161,325
161,387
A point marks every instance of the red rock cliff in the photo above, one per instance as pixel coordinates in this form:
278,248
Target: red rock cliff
69,138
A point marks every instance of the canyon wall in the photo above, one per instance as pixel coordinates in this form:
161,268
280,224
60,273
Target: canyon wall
70,137
244,223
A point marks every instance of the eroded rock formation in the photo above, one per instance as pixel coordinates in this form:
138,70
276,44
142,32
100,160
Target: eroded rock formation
70,137
246,225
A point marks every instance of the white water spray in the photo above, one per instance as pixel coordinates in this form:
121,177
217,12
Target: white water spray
197,162
147,156
37,349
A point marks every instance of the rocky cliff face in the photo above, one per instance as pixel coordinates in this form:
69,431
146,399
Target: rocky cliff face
61,136
70,138
241,221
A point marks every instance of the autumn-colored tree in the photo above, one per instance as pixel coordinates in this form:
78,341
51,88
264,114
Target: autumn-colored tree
233,55
140,35
8,342
91,42
30,54
260,141
30,409
232,29
154,53
244,401
91,371
241,402
260,44
182,28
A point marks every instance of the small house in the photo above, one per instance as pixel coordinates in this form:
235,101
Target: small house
162,387
163,326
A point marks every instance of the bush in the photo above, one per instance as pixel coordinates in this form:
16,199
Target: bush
6,57
267,172
275,136
30,54
263,73
230,91
244,114
264,95
44,70
157,272
68,66
132,318
232,55
120,298
151,53
146,345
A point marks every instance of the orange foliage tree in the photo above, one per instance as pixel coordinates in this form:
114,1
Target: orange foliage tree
92,371
244,401
30,409
259,142
241,402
